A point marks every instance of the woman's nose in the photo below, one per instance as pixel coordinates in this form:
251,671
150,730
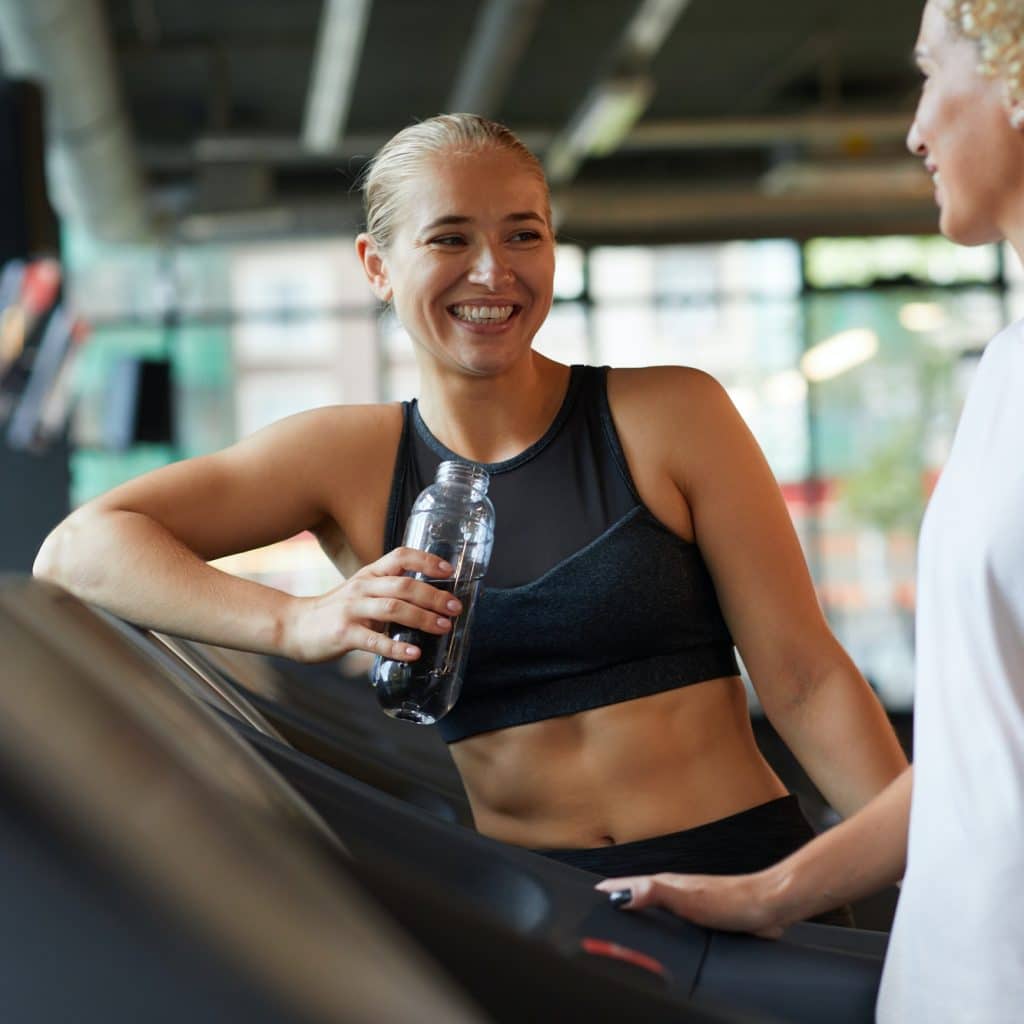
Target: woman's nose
489,268
914,141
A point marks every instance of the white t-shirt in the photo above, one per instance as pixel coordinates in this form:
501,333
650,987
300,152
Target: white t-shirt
956,953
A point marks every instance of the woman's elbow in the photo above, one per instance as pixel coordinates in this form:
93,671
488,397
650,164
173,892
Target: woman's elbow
55,560
47,561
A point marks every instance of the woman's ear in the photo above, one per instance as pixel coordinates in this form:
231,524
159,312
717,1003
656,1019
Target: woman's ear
374,266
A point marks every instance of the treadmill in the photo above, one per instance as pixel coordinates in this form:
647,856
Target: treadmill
504,923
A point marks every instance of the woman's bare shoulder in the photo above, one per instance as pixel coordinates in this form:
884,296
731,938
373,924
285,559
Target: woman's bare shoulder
667,381
342,420
657,396
345,432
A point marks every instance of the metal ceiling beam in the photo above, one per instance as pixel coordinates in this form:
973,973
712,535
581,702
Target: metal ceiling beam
605,215
602,215
65,45
286,151
850,133
339,47
500,36
617,101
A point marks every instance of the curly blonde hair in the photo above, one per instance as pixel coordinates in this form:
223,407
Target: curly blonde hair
997,26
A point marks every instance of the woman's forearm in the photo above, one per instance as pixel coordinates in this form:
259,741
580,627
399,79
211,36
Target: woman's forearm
130,565
854,859
842,737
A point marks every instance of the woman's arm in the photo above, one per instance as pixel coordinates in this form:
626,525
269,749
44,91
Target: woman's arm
141,550
856,858
809,688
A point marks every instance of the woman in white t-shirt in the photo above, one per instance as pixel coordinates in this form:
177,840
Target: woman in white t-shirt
957,949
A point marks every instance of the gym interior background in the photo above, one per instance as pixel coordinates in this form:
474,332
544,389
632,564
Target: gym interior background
731,190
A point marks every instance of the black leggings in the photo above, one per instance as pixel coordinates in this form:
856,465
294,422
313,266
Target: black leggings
739,844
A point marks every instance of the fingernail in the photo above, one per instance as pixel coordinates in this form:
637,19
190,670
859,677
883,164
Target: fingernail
412,651
620,897
444,565
453,606
443,623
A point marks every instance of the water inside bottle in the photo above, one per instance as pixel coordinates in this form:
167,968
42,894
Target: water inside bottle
425,690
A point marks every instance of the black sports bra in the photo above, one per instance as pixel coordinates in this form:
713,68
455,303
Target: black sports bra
589,600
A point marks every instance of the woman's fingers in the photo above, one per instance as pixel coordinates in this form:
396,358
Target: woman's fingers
380,643
730,903
402,613
390,576
403,601
403,560
624,892
413,591
390,595
640,891
382,596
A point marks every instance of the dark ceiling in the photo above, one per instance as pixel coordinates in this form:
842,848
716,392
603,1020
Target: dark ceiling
766,117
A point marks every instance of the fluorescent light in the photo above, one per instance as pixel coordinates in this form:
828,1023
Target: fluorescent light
612,108
338,47
922,317
602,122
841,352
650,26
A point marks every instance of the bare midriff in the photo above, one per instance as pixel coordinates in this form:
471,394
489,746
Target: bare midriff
615,774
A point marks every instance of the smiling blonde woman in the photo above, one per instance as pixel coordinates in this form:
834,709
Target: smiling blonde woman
640,536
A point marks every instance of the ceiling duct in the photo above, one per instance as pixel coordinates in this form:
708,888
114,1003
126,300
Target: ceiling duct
94,175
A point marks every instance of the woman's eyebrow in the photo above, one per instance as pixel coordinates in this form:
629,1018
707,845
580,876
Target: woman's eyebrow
447,219
451,219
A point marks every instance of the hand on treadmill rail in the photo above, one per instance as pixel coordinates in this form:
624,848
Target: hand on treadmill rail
739,903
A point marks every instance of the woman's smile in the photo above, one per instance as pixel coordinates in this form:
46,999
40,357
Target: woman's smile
485,317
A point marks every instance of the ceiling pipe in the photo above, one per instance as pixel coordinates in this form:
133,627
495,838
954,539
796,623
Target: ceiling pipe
94,175
500,36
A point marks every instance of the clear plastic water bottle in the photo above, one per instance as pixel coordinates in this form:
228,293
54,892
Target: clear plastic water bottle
454,519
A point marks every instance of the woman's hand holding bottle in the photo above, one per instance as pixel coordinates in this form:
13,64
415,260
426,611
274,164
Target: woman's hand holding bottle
354,616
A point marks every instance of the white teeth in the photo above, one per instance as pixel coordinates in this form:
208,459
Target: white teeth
483,314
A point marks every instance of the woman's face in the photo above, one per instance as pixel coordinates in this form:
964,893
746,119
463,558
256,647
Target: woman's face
470,269
963,132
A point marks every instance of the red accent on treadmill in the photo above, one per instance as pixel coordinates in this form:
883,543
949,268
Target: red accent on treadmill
612,950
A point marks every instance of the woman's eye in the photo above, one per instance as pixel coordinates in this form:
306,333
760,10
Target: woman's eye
447,240
526,236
